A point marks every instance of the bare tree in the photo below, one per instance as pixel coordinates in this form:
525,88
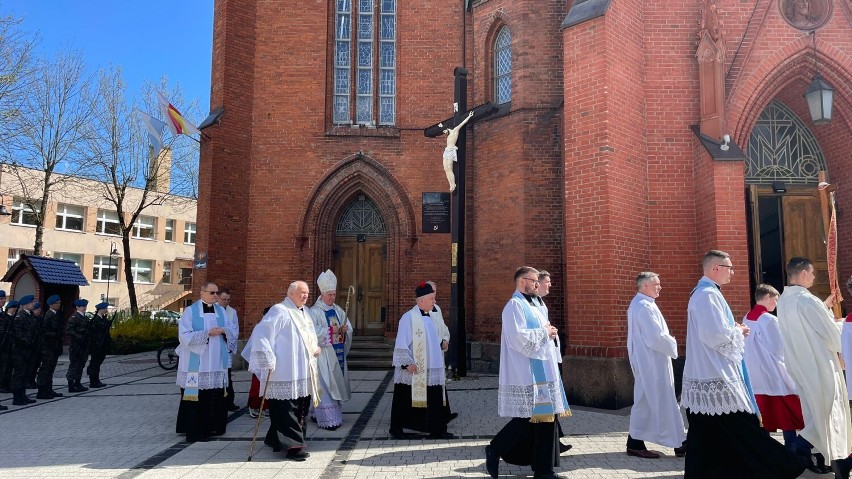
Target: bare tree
131,175
48,132
16,69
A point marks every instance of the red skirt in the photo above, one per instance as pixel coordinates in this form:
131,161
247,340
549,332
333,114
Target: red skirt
254,395
780,412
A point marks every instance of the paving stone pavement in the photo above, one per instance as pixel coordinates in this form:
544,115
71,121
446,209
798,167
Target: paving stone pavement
126,431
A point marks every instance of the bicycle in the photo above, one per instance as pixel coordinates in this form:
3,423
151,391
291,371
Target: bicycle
167,358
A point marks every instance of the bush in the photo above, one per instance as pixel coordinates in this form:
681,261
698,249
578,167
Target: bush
136,334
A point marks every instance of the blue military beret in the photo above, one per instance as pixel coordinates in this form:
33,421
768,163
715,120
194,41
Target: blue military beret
81,302
26,299
2,293
36,305
52,299
11,304
101,306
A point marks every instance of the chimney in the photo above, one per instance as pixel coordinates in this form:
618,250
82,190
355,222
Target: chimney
161,171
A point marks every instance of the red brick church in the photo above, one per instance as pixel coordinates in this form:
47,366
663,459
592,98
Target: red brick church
628,136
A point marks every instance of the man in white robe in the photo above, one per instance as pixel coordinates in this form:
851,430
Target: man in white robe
283,348
202,368
232,333
334,336
530,385
419,375
725,438
444,332
811,348
655,415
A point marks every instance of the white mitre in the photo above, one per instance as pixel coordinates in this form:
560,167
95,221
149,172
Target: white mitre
327,281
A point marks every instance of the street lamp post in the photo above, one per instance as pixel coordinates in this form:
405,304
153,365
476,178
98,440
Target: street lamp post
113,252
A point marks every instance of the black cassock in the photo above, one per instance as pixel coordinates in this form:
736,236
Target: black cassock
432,419
203,418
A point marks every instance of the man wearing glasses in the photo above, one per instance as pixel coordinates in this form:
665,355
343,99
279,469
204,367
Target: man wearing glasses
202,368
811,347
232,332
530,386
725,438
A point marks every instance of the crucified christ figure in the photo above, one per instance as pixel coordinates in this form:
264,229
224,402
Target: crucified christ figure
450,151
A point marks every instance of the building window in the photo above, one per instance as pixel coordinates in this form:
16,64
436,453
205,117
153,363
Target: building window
144,227
167,272
23,214
186,276
363,25
106,269
189,233
69,218
15,255
142,270
76,258
170,230
503,66
108,223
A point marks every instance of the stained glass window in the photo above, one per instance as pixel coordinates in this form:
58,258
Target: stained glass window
782,148
503,66
361,217
367,37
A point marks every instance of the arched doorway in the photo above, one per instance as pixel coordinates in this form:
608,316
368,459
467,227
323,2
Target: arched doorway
784,161
360,255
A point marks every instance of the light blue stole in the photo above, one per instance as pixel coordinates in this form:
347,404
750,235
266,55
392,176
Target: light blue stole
190,392
543,410
705,283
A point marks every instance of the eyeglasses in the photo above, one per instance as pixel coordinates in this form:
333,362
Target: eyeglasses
534,280
729,266
210,292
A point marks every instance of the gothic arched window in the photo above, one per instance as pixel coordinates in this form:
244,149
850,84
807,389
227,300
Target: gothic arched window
782,148
503,66
359,34
361,217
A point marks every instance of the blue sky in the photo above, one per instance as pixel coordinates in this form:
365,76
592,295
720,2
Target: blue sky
149,39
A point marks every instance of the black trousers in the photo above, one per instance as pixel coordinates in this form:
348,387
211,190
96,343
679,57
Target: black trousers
6,367
77,356
229,401
34,363
287,423
734,446
432,419
20,369
97,359
524,443
205,417
48,366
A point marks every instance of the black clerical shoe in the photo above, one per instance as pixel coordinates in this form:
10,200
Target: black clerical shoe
452,416
643,453
492,462
3,408
680,451
233,407
203,438
820,467
298,455
331,428
275,447
563,448
841,468
547,475
56,394
445,435
400,434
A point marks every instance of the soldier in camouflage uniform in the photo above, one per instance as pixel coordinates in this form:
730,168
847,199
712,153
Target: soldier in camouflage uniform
99,344
34,359
78,329
52,330
23,327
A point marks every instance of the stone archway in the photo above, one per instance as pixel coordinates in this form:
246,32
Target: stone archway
355,176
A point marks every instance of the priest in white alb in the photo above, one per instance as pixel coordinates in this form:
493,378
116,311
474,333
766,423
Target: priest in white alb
419,376
334,335
530,386
811,348
655,415
202,368
283,347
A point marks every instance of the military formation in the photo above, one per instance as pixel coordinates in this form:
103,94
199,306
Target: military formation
32,337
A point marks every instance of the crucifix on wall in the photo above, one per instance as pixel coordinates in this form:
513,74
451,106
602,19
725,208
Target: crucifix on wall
454,158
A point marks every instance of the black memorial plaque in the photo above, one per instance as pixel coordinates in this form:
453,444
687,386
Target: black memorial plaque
436,213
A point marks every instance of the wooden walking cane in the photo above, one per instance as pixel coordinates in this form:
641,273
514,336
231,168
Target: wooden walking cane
259,415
